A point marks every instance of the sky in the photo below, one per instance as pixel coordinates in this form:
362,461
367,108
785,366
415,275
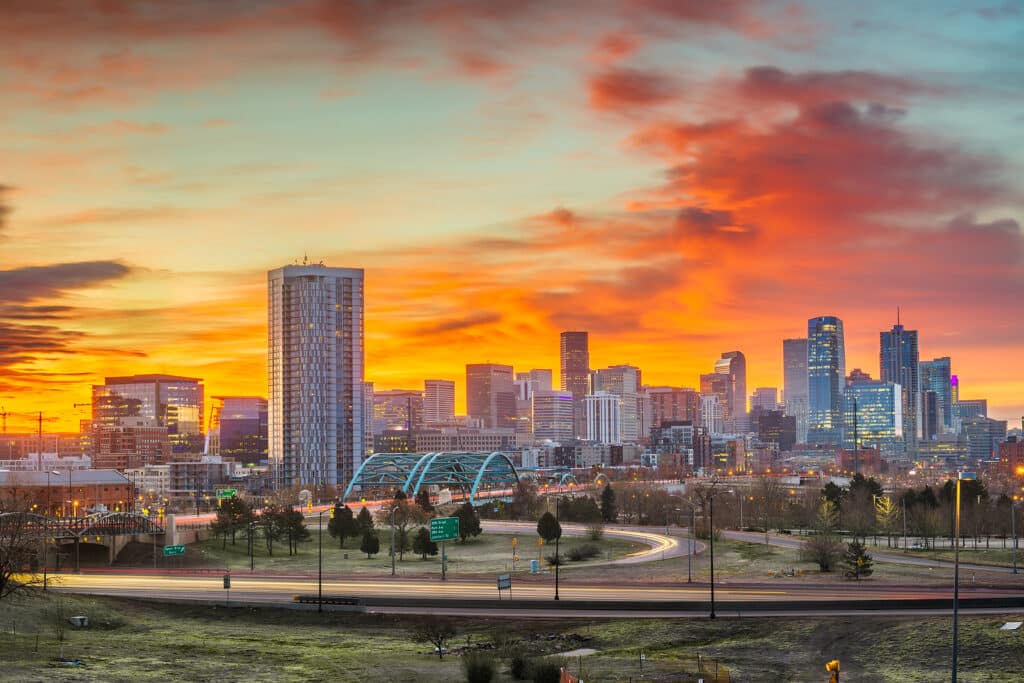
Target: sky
678,177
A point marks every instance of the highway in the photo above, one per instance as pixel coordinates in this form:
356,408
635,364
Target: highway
535,593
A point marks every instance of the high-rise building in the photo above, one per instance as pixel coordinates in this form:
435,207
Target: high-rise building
774,426
711,419
575,373
238,429
973,407
532,381
673,404
438,401
936,375
397,410
794,364
764,399
733,364
931,415
316,424
131,442
368,446
623,381
172,402
490,394
604,418
879,416
983,436
826,375
552,416
899,362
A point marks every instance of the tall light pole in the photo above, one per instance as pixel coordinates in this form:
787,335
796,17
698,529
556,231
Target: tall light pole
320,565
956,573
558,559
711,543
1013,530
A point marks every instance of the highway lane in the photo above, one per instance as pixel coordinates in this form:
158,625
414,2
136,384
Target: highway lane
264,589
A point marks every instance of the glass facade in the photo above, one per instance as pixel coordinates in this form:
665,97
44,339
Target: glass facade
794,391
826,377
899,364
238,428
172,402
879,417
574,353
936,375
316,424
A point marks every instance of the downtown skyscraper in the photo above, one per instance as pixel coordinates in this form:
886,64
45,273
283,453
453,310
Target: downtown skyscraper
574,353
794,373
826,378
316,423
490,394
899,363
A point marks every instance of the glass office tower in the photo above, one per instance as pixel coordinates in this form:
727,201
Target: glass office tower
826,378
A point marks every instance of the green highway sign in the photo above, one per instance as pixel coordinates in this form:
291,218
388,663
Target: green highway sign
173,550
227,493
444,529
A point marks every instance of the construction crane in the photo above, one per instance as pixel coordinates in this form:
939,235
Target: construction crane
3,414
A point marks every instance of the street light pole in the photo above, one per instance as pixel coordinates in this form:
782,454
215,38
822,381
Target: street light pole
1013,530
558,559
320,565
393,508
689,555
956,574
711,543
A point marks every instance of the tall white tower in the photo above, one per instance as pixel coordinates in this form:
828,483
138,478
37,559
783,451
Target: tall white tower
316,421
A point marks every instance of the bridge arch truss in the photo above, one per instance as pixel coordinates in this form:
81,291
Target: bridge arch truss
473,473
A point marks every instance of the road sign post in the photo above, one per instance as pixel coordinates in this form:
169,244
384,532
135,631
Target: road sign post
226,493
444,529
172,550
504,583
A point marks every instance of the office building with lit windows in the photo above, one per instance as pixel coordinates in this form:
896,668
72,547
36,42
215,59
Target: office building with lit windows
879,417
899,364
167,401
316,422
438,401
826,376
574,354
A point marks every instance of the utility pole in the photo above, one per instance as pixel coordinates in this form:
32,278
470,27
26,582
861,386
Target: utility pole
856,453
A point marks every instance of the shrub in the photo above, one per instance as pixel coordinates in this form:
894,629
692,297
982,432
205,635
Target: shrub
584,552
554,560
478,667
545,671
595,532
519,665
823,550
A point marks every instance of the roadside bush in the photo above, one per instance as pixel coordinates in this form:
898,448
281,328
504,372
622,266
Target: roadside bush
595,532
554,560
583,552
545,671
519,665
479,668
824,550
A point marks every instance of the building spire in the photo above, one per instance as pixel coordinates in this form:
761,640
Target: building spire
897,315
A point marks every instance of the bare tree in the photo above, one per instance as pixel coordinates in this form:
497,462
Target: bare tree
21,543
437,632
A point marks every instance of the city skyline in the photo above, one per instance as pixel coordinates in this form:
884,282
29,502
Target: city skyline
677,179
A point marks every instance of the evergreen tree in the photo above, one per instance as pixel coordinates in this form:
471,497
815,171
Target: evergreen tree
370,544
548,527
469,521
858,562
608,511
423,500
423,545
365,521
343,525
293,523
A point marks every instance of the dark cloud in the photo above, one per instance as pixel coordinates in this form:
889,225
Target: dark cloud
22,312
458,324
622,89
38,282
770,83
5,208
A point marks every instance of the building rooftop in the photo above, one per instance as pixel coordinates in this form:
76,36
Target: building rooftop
137,379
80,477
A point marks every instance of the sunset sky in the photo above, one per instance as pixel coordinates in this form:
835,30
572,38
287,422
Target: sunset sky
678,177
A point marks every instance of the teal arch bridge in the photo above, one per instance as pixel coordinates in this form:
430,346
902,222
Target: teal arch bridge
473,473
112,530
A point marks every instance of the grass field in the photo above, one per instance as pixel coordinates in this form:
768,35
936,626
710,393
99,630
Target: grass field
132,641
488,553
